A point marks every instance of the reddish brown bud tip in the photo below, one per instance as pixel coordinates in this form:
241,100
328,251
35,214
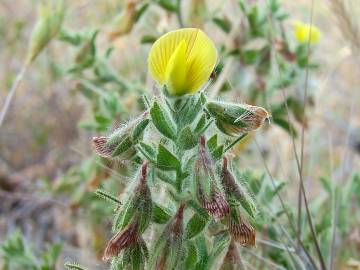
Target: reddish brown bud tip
242,232
180,212
218,207
121,240
144,170
202,141
225,162
101,147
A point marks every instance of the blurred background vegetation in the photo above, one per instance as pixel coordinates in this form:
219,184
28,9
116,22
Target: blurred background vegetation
91,79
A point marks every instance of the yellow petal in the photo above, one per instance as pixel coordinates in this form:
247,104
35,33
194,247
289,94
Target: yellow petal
175,73
200,59
303,32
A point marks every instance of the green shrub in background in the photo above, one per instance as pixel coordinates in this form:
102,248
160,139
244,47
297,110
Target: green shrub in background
17,253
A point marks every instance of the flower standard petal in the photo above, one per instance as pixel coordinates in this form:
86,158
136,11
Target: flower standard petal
175,74
201,62
195,66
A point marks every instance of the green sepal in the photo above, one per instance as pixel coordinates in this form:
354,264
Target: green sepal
124,145
218,152
166,160
124,215
148,151
160,215
163,121
200,124
212,143
190,110
191,256
139,129
195,226
226,112
187,139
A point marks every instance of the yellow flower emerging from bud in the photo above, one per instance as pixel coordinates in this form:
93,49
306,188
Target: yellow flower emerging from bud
303,32
182,60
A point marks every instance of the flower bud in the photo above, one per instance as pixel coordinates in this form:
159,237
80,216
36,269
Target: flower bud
120,144
208,192
138,204
46,28
240,229
122,239
125,21
234,119
235,193
168,249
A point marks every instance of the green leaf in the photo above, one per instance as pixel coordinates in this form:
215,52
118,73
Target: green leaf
220,242
123,216
102,120
160,215
326,184
136,257
163,121
250,56
50,256
169,5
279,186
191,257
191,110
148,39
139,129
212,143
125,145
200,124
201,249
163,176
223,24
148,151
218,152
166,160
140,11
195,226
187,139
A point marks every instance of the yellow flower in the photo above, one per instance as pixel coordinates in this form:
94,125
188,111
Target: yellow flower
182,60
303,32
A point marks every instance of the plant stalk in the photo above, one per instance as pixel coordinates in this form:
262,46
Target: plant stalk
10,95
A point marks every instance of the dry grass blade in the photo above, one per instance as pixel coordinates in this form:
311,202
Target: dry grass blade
11,93
299,162
301,184
349,28
292,226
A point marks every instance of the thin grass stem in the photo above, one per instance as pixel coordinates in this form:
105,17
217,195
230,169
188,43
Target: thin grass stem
10,95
